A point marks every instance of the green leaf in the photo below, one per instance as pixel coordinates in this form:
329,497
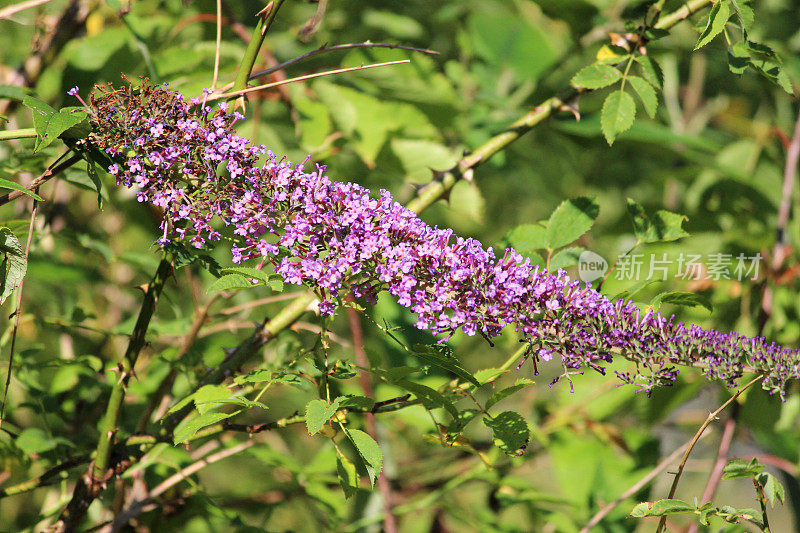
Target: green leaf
570,220
362,403
596,76
368,450
508,391
686,299
651,71
318,412
253,273
566,258
527,237
12,92
49,123
511,432
664,226
14,263
8,184
207,397
739,468
442,356
91,170
717,19
773,490
347,474
230,282
188,429
646,93
738,57
661,507
619,111
744,12
34,440
429,397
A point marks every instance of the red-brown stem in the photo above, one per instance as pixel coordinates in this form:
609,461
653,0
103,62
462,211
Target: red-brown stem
389,520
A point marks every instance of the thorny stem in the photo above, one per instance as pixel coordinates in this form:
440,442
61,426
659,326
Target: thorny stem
762,501
251,53
711,417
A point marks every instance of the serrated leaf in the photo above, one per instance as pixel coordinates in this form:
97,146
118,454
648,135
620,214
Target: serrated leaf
347,474
773,490
527,237
368,450
511,432
717,19
738,57
187,430
570,220
664,226
508,391
230,282
744,12
667,507
14,263
206,397
441,356
619,111
429,397
608,55
8,184
686,299
568,257
651,71
646,93
640,510
318,412
596,76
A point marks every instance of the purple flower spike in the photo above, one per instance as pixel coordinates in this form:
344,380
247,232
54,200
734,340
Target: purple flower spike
338,237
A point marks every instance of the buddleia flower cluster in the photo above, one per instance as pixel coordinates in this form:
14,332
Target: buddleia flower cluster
184,156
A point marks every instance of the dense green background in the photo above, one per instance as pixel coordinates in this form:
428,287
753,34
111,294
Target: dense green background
714,153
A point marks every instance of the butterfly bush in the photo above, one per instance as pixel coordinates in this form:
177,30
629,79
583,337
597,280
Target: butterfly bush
185,157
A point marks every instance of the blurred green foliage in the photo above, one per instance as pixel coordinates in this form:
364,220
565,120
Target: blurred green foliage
713,152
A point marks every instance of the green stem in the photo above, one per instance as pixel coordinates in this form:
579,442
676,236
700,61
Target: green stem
24,133
762,500
686,10
108,426
251,53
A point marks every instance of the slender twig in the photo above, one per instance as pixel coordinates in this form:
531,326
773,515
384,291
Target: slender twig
682,13
789,175
711,417
6,12
137,507
325,48
390,521
719,465
642,483
301,78
47,175
218,46
17,313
